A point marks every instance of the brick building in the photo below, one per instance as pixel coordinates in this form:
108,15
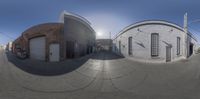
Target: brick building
72,38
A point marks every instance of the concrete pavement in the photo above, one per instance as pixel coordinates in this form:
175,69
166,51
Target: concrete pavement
103,76
47,68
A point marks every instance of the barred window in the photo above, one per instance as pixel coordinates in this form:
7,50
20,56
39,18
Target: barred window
178,45
130,46
154,44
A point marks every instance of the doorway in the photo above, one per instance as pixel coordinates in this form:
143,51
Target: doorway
70,49
54,52
168,53
191,49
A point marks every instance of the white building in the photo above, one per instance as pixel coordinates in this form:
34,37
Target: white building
155,41
9,46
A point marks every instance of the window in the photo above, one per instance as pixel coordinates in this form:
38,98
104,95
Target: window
130,46
154,44
178,45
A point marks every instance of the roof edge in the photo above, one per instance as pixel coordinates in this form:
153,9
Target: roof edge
66,13
136,24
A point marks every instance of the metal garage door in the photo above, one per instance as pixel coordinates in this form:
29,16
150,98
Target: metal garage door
37,48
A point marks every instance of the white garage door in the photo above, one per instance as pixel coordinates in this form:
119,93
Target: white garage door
37,48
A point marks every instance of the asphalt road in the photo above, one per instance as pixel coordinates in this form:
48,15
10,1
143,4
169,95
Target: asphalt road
105,76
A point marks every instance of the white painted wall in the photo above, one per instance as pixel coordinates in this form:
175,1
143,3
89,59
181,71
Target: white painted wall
142,34
10,46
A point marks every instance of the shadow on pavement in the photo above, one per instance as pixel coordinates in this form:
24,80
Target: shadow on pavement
105,55
57,68
47,68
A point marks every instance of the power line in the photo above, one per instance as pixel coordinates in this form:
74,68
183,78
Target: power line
195,30
195,21
196,33
7,36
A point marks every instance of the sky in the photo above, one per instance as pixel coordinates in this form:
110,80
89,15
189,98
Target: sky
105,16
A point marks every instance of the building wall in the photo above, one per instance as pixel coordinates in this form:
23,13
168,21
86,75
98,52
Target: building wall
195,44
19,43
80,33
142,42
73,29
104,44
52,31
9,46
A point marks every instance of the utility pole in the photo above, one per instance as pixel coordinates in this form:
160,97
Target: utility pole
185,25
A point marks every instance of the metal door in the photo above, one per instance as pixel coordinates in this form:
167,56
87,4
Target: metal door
168,53
54,52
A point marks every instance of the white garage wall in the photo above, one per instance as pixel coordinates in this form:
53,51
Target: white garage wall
142,34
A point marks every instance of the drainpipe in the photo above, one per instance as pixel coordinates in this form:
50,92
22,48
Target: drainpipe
185,28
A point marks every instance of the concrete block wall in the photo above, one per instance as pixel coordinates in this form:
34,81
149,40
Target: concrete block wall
142,42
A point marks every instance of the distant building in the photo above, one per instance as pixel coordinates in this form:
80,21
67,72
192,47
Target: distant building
155,41
104,44
73,37
1,47
4,47
9,46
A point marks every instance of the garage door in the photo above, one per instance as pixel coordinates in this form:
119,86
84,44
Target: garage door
37,48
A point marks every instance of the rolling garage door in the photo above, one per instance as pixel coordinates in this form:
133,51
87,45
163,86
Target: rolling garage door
37,48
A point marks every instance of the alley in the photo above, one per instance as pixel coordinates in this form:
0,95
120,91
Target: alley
104,76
